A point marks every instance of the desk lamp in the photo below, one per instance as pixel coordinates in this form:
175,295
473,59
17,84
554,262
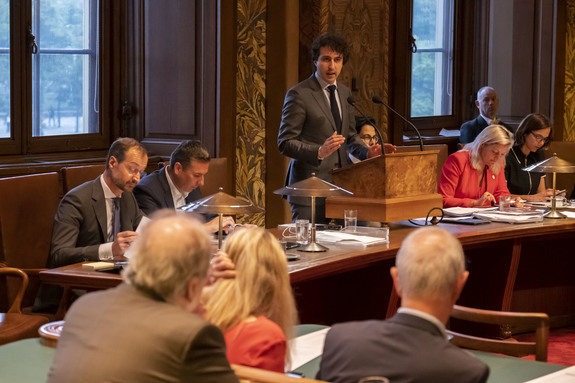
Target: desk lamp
221,203
552,165
313,187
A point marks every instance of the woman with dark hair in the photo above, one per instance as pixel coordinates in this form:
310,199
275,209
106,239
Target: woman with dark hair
532,137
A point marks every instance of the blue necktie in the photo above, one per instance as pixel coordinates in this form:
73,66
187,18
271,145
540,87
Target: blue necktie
334,108
116,218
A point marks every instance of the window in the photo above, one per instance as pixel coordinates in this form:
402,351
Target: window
432,59
64,70
50,75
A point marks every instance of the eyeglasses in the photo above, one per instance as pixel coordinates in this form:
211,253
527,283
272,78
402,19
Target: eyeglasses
367,138
539,138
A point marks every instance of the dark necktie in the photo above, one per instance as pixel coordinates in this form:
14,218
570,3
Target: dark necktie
116,218
334,108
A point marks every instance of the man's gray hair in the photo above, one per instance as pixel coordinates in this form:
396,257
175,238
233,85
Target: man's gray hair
429,263
170,252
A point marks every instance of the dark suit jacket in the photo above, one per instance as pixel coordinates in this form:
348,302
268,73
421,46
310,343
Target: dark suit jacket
153,193
122,335
404,348
471,129
80,225
306,123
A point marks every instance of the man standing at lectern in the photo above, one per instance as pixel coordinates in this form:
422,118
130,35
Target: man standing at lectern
318,127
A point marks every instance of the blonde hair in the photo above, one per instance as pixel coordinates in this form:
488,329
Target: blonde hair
492,135
261,287
171,251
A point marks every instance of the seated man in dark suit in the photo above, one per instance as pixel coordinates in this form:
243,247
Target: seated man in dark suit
149,328
178,184
411,346
97,220
487,103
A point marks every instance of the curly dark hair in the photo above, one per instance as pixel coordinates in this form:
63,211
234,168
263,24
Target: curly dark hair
333,41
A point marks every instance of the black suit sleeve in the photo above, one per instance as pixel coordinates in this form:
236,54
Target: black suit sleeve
146,201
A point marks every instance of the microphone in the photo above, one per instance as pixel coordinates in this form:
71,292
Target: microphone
351,101
378,100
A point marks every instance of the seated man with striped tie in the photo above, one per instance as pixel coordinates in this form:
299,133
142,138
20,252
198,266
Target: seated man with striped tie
178,184
487,103
98,219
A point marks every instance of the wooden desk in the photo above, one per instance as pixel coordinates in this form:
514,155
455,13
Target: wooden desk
526,267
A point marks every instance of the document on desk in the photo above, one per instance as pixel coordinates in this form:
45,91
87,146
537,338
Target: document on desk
143,222
567,375
306,347
466,211
341,238
510,218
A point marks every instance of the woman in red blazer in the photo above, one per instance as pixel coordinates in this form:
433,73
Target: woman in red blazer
474,176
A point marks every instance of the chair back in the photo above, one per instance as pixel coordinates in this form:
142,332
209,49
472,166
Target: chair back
509,346
16,306
217,176
257,375
73,176
27,208
14,325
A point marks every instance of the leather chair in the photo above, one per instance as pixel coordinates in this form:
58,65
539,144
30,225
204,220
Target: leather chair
508,345
73,176
217,176
27,208
14,325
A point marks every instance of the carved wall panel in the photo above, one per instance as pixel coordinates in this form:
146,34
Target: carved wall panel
569,114
250,105
365,25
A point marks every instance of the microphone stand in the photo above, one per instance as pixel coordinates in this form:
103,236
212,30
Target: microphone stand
378,100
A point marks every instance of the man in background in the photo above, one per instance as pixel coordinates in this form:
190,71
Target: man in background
178,183
149,328
412,346
487,103
98,219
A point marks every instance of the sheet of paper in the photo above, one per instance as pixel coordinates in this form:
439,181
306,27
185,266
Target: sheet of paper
342,238
143,222
507,218
449,132
465,211
569,214
566,375
306,347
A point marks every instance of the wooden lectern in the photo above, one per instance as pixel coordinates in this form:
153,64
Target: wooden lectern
389,188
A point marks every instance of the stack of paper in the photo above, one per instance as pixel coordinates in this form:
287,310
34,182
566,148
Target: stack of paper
341,238
510,217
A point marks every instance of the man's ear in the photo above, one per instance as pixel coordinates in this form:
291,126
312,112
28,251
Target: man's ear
477,103
178,168
395,277
460,284
113,162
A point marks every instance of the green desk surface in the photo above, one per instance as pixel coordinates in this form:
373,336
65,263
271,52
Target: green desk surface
25,361
503,369
28,361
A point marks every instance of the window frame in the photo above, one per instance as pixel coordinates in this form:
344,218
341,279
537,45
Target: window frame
430,126
22,142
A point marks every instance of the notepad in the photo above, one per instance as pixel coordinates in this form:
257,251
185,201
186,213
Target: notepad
98,265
